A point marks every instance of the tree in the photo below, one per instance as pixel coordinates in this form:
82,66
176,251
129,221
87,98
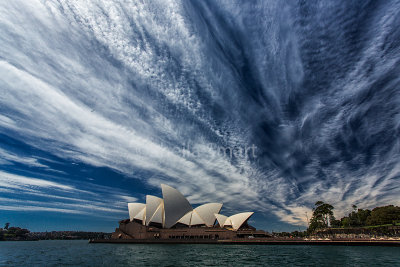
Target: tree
362,216
336,223
322,216
6,226
384,215
345,221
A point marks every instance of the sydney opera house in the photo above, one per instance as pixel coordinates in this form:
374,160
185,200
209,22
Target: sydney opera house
173,217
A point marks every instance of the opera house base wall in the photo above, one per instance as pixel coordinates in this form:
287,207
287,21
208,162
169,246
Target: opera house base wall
132,230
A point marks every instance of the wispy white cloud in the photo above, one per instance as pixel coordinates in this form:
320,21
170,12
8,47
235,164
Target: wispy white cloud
9,180
106,136
60,197
9,157
89,207
38,208
117,85
128,198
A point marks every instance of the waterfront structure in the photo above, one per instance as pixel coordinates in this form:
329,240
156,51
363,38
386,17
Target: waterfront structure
173,217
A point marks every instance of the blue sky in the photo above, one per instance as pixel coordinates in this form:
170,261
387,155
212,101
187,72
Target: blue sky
264,106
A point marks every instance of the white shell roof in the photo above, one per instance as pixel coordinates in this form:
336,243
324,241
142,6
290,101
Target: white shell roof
186,218
221,219
240,218
196,219
228,222
141,215
203,214
134,209
152,204
175,205
207,211
158,215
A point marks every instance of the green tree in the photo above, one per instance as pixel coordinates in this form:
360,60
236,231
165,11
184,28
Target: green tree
336,223
345,221
356,218
322,216
362,216
384,215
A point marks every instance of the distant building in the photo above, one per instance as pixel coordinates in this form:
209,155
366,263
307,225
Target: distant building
172,217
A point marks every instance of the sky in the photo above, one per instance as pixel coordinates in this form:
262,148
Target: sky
264,106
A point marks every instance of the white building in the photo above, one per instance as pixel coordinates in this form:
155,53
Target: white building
174,209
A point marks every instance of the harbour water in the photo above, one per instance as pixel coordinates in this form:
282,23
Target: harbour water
81,253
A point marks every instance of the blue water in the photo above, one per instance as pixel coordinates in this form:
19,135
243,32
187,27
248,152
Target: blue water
80,253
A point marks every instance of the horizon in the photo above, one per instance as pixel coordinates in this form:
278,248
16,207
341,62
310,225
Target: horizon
264,107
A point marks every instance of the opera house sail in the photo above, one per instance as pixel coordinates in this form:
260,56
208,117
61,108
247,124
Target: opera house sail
173,217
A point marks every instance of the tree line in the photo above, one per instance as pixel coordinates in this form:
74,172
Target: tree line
13,233
323,217
20,234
